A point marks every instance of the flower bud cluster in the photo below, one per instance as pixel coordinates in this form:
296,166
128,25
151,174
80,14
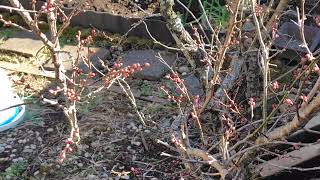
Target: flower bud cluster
119,71
5,22
87,41
69,142
48,6
230,129
176,141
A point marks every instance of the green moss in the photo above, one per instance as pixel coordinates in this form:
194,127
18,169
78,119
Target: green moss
6,33
69,35
137,42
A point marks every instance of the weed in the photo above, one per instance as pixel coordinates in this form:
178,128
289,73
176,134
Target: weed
15,170
145,90
33,112
216,12
90,103
69,35
6,33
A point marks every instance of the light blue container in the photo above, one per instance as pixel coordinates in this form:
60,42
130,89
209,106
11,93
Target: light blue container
9,118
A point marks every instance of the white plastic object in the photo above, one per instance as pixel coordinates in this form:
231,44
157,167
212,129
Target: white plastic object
9,118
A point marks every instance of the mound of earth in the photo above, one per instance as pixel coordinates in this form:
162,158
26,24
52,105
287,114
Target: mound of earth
137,8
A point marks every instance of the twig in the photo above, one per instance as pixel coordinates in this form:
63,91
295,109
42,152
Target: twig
126,89
18,9
144,142
167,145
281,6
221,55
264,60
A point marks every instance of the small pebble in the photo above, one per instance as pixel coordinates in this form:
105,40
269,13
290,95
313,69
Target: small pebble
14,150
120,48
27,151
118,53
22,141
125,177
36,173
8,147
12,155
80,164
137,143
130,115
32,146
92,177
183,69
39,139
147,131
86,154
105,175
2,149
10,139
4,159
50,130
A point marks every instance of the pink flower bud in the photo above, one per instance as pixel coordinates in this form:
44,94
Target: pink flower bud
288,102
275,85
303,98
147,65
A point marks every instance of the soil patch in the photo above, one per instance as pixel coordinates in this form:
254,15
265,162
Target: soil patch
125,7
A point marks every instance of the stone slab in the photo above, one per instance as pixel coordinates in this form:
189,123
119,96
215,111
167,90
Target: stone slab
26,68
303,136
26,43
100,53
291,159
22,42
157,26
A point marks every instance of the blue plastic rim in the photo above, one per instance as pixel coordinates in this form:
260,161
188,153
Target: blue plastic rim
13,116
16,111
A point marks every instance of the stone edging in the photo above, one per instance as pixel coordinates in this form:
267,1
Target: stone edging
114,23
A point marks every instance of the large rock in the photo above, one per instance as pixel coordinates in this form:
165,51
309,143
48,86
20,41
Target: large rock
191,82
193,85
156,70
